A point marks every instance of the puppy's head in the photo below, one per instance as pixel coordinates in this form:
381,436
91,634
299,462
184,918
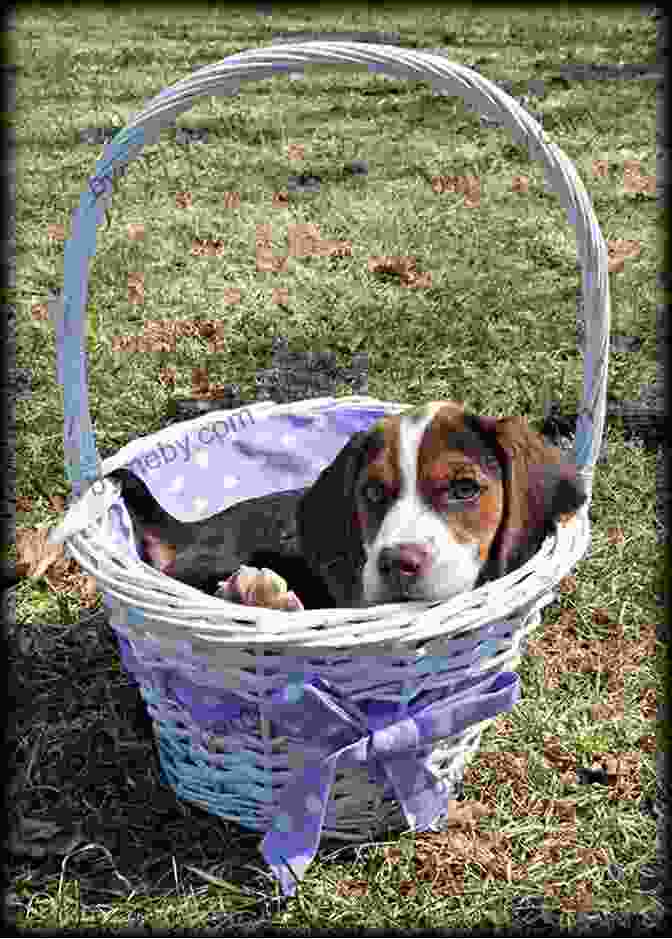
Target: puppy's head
433,502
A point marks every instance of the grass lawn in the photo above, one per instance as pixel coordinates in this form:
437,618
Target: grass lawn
495,327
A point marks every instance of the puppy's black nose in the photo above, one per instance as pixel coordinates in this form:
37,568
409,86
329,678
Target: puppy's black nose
401,565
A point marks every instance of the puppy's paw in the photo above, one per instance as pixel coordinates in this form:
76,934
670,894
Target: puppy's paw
254,587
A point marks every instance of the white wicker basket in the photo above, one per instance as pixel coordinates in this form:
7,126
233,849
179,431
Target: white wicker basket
239,694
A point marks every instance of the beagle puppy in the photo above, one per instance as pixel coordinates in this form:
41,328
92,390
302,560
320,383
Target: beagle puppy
432,502
423,506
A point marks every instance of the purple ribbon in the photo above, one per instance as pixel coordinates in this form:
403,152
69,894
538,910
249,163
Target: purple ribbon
400,748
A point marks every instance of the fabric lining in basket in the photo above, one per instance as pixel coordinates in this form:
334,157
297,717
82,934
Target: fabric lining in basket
343,721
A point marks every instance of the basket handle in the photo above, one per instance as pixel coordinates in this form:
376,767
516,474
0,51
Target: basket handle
83,464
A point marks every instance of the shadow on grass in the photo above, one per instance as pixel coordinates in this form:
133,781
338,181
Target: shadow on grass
85,784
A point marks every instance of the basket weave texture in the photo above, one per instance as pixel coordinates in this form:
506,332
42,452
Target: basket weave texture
343,722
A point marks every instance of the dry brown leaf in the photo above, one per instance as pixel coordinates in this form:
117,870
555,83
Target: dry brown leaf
618,250
338,249
647,743
592,856
39,311
157,337
624,248
183,200
198,247
634,181
442,184
205,328
353,888
38,558
184,327
136,288
88,590
613,765
136,231
231,200
600,168
392,853
296,151
520,184
231,296
565,809
567,584
407,888
167,376
391,264
580,900
280,199
419,281
34,555
200,383
56,232
208,247
555,754
280,295
504,725
552,849
269,262
465,814
600,712
601,616
57,503
303,239
583,897
264,235
124,343
441,858
24,504
648,703
265,259
639,184
615,535
469,186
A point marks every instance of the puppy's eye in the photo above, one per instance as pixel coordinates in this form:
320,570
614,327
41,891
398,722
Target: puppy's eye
374,493
459,490
465,488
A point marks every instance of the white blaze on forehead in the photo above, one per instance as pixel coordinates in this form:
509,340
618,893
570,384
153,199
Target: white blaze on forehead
411,431
402,520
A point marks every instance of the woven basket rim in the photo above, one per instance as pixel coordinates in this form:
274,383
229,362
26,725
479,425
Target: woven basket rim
210,615
174,609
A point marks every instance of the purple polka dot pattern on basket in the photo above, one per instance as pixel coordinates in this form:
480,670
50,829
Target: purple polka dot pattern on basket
202,467
399,746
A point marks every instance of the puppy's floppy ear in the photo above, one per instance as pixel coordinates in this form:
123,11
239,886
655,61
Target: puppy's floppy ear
328,531
540,485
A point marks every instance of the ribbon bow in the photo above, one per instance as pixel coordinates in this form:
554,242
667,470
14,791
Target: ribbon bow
307,711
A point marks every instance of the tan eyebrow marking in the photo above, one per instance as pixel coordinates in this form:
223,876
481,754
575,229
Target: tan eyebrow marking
384,467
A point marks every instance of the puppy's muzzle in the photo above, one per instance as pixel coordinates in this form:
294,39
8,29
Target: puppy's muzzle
402,566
